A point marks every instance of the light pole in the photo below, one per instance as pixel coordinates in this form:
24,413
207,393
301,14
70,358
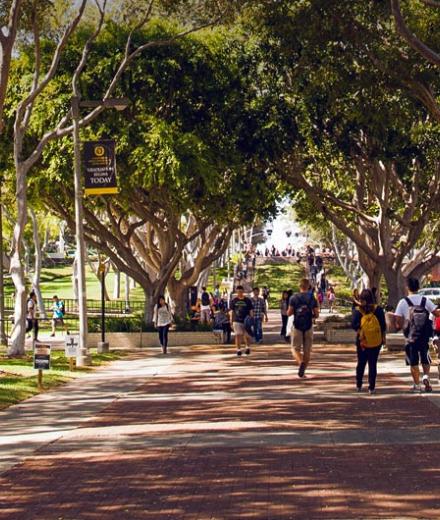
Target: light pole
83,358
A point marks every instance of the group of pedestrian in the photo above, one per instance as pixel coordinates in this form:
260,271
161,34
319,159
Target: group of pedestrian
32,318
415,314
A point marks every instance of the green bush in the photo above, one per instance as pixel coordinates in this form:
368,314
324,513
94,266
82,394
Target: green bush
136,324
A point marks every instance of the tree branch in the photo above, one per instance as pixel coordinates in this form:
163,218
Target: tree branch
411,38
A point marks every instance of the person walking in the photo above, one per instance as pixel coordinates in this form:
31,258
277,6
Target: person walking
331,297
162,319
304,309
265,294
31,315
260,313
241,309
413,316
369,323
58,309
205,312
284,307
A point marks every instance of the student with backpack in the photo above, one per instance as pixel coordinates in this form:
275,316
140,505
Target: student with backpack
162,319
59,311
304,309
413,316
369,323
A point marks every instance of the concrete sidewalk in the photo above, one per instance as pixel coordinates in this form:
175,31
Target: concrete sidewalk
213,436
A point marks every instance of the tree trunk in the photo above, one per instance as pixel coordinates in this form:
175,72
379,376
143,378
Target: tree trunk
61,240
17,345
27,259
127,293
395,284
179,296
203,278
98,275
38,262
117,281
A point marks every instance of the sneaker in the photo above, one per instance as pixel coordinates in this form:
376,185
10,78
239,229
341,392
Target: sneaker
301,370
247,351
52,335
416,389
238,353
426,382
164,350
358,389
372,391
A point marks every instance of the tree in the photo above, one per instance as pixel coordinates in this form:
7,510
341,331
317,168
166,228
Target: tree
188,172
26,156
365,159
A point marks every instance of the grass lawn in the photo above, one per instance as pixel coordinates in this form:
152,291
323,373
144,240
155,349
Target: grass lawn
337,278
18,379
58,280
278,278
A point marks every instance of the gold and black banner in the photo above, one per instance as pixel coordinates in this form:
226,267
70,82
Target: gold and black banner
99,160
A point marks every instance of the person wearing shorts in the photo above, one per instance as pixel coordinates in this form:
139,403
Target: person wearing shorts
302,340
241,308
416,352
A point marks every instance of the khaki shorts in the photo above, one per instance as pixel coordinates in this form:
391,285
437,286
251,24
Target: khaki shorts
239,328
302,340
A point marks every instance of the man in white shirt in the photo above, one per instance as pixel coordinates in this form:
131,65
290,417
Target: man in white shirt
413,316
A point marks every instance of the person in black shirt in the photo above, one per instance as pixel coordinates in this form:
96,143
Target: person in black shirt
241,310
369,323
304,307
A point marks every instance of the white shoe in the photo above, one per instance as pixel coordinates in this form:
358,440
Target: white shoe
416,389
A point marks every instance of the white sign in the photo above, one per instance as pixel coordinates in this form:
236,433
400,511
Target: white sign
71,346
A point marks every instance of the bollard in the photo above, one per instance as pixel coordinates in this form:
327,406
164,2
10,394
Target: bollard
40,379
103,347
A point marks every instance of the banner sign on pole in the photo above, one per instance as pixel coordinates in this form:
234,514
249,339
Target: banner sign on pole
71,346
42,357
99,160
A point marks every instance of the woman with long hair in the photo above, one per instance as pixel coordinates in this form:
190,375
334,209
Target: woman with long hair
162,319
370,326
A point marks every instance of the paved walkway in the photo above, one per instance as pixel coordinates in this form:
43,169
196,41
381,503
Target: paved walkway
201,434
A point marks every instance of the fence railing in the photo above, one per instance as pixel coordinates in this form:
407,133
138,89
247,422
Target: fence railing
93,306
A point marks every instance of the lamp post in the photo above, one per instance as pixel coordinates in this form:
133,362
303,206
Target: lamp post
83,358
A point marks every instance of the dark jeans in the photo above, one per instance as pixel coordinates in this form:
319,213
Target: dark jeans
163,335
32,324
227,331
258,329
284,320
370,356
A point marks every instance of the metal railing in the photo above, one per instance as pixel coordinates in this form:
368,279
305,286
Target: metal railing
93,306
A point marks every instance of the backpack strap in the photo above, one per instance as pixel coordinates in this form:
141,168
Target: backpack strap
409,302
423,302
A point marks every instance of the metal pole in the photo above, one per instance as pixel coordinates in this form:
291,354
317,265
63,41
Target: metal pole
3,337
102,268
84,358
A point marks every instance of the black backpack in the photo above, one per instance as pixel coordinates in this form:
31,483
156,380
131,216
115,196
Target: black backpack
205,298
419,326
303,319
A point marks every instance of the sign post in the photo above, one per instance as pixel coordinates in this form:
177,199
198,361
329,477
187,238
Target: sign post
71,350
100,167
41,361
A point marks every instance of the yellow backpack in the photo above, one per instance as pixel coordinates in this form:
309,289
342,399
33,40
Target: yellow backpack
370,334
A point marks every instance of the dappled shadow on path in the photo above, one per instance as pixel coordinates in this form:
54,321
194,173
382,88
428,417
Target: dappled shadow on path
229,483
199,441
